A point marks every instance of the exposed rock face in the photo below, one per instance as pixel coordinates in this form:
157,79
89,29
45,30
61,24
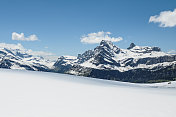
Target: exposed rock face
131,46
107,61
85,56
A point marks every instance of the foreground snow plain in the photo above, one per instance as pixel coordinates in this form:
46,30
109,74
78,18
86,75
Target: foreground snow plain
38,94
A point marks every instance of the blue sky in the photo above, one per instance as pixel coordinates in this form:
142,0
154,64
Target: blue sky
59,24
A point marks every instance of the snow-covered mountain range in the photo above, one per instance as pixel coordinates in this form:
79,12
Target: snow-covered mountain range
16,57
134,64
106,61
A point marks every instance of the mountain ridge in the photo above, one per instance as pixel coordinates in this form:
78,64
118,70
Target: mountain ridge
108,61
17,58
140,64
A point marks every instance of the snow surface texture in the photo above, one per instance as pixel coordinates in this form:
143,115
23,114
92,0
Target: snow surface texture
35,94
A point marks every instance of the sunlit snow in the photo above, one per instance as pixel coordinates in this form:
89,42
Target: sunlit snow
35,94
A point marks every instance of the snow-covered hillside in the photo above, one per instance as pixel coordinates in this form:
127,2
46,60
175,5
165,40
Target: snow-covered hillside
35,94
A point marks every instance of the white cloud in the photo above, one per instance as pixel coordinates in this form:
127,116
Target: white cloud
93,38
12,46
172,52
165,19
21,37
47,55
39,53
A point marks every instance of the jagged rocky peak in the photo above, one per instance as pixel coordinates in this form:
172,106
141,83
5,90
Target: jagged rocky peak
156,49
85,56
107,61
106,43
108,46
60,58
143,49
131,46
66,58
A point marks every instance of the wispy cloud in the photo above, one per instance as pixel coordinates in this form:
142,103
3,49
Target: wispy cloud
47,55
12,46
21,37
44,54
93,38
165,18
39,53
172,52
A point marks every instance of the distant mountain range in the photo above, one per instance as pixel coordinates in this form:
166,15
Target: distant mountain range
16,58
106,61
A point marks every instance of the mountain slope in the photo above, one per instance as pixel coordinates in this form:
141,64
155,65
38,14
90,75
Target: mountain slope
36,94
107,61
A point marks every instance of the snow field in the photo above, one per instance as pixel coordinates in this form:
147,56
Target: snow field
37,94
